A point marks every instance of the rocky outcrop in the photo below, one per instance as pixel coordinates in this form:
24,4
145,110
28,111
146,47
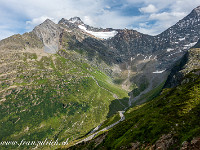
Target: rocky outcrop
49,33
164,143
193,145
190,61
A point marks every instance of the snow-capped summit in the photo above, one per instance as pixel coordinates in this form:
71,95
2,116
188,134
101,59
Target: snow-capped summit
72,22
76,20
77,23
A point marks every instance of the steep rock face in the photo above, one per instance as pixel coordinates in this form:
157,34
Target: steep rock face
69,23
49,33
178,38
190,61
169,46
76,20
129,43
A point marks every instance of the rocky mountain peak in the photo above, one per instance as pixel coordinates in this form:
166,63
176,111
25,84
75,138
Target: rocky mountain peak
48,21
48,32
45,26
197,10
70,24
76,20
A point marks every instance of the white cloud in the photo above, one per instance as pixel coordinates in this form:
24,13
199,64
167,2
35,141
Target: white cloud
88,20
167,13
149,9
36,21
166,16
162,20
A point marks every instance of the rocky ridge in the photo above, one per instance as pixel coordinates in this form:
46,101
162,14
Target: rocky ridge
190,61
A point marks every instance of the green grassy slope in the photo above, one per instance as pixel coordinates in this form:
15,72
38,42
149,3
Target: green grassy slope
175,112
52,97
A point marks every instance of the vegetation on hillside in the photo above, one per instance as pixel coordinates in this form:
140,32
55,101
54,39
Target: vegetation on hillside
175,112
53,97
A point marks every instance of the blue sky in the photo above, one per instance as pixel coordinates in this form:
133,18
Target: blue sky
147,16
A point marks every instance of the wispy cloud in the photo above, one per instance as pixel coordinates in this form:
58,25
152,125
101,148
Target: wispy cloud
149,9
144,15
162,14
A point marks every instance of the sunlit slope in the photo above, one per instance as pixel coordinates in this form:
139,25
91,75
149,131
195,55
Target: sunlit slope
49,96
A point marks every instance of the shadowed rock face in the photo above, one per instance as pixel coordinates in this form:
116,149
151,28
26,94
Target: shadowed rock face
168,46
190,61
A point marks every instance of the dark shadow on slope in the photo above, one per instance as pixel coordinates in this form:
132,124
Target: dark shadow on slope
175,76
117,105
197,45
93,48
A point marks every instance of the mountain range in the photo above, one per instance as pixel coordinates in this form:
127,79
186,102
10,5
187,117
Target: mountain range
62,80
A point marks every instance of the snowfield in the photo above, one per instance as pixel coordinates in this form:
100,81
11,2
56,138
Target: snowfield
159,71
101,35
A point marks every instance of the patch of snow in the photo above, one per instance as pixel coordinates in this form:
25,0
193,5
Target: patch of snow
82,27
169,49
175,53
190,45
101,35
73,21
132,58
181,39
159,71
